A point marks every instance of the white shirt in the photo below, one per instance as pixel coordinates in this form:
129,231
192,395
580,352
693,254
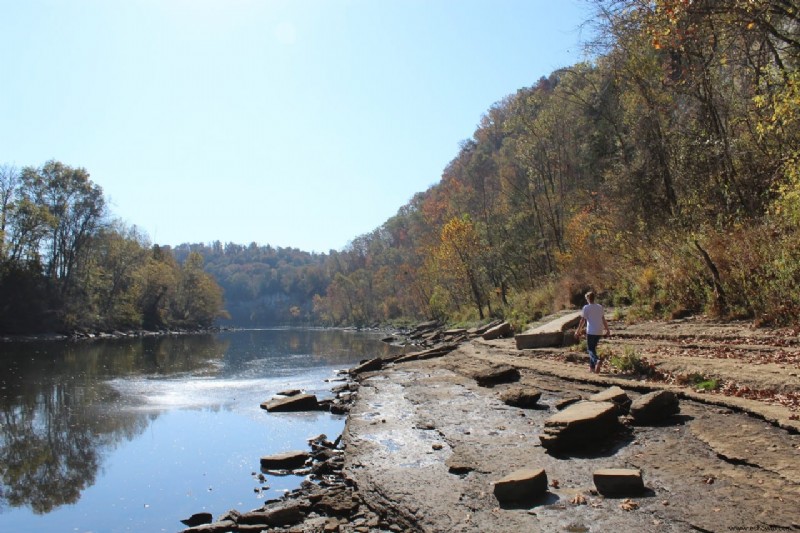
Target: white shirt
593,313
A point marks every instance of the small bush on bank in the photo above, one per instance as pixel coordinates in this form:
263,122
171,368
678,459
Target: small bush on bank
630,362
529,306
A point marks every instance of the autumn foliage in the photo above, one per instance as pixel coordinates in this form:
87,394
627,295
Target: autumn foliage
664,174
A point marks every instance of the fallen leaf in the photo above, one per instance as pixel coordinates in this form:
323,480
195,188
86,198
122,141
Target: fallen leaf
578,499
554,483
628,505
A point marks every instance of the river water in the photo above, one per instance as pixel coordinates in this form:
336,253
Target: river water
136,434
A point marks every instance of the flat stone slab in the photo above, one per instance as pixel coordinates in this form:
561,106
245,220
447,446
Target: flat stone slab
580,425
654,407
437,351
522,485
368,366
618,481
298,402
548,335
615,395
285,461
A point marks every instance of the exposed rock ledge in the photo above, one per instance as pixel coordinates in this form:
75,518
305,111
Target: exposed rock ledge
425,444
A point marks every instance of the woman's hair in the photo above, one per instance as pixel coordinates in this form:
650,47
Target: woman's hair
590,297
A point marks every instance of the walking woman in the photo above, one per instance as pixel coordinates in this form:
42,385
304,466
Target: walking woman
593,318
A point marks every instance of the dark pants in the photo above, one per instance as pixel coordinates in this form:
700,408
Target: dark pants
591,345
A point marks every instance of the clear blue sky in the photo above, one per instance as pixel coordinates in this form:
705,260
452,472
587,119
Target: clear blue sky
301,123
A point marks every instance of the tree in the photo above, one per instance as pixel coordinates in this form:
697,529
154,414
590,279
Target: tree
198,300
75,207
459,258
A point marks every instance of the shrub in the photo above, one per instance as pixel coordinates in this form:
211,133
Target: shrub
629,362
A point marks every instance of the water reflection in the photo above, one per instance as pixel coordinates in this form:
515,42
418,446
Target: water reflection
53,435
65,407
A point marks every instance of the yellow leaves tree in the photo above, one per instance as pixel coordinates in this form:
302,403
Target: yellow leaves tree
458,261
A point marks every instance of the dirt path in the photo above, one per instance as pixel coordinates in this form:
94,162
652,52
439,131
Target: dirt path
424,442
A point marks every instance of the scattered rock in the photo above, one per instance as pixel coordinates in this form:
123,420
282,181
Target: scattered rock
437,351
579,425
496,375
616,395
285,461
504,329
480,330
337,503
618,482
368,366
566,402
198,519
522,485
299,402
463,460
222,526
524,398
283,514
654,407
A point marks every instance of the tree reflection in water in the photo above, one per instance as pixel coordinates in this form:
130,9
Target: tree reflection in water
55,402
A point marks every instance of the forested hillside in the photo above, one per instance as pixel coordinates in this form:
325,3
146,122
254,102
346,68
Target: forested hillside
66,267
663,174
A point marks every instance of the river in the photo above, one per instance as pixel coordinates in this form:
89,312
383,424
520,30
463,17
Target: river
136,434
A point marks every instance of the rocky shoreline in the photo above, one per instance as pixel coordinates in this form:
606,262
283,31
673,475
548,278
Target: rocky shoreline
327,500
473,434
89,335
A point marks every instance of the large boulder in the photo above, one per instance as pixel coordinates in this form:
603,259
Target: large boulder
496,375
298,402
654,407
618,481
521,486
581,425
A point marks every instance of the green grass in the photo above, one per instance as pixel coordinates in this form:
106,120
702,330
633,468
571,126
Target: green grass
701,382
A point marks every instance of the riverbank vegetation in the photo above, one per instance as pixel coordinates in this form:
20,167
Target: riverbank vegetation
65,267
663,174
